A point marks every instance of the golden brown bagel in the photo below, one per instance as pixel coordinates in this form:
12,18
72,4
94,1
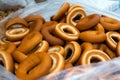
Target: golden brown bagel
105,48
16,34
14,21
88,22
110,23
7,60
112,38
94,36
34,66
75,13
58,63
72,51
93,56
29,42
61,12
67,32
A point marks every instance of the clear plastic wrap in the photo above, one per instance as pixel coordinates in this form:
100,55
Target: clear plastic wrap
99,71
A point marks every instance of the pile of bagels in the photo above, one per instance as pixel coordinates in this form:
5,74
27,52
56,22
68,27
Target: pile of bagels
32,47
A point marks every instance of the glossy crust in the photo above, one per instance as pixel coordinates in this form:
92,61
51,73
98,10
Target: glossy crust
111,42
74,15
88,22
71,34
7,60
118,48
58,49
61,12
36,25
93,36
31,18
93,54
75,49
105,48
16,34
18,56
34,66
58,63
29,42
8,47
85,46
110,23
15,20
48,31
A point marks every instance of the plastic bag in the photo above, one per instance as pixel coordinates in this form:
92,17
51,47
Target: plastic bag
97,71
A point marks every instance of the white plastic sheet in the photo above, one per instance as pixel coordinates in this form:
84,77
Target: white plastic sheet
98,71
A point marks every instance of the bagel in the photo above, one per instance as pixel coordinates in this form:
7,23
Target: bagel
72,51
104,48
58,49
75,13
110,23
47,32
94,36
61,12
112,39
88,22
67,32
7,60
29,42
32,17
34,66
15,21
58,63
16,34
92,56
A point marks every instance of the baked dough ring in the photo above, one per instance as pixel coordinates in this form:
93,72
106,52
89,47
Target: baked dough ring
34,66
14,21
74,6
88,22
58,62
42,46
118,48
3,40
67,32
74,15
58,49
110,23
112,38
31,18
85,46
16,34
8,47
7,60
72,51
18,56
93,36
61,12
47,32
36,25
68,65
93,55
104,48
29,42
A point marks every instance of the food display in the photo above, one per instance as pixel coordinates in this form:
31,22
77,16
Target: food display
32,47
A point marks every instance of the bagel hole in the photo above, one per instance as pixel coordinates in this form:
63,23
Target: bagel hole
17,32
69,53
16,26
95,60
77,18
115,39
67,31
1,62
